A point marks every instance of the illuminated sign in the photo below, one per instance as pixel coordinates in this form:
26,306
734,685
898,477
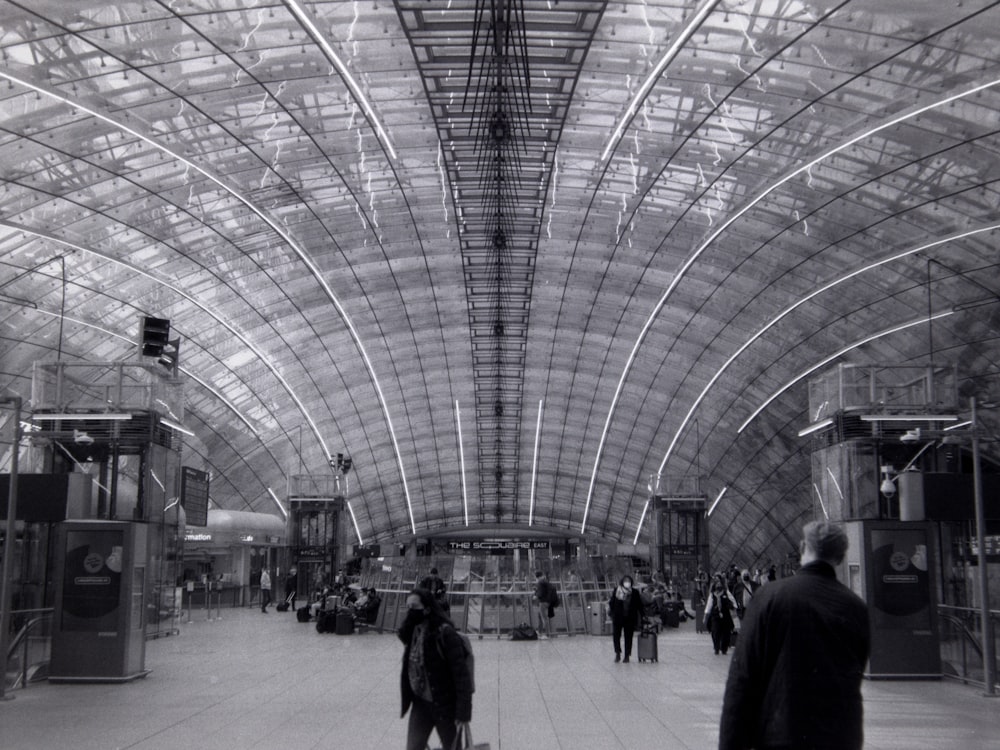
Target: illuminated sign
246,537
196,537
495,546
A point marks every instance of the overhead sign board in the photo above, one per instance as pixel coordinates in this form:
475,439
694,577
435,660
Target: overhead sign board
194,496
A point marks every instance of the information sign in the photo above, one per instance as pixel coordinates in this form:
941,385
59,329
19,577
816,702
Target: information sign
194,496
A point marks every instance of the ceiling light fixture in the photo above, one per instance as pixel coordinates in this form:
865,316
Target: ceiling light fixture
534,463
278,503
717,499
334,58
815,427
97,416
909,418
461,461
668,56
176,427
354,520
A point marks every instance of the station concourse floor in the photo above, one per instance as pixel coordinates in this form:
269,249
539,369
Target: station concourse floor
253,680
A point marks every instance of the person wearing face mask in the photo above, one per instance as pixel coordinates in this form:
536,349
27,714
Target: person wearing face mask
719,614
625,607
435,682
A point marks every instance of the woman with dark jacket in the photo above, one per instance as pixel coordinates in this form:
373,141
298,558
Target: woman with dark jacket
719,614
435,681
625,606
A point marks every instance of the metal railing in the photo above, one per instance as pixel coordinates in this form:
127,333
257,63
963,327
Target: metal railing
30,650
488,601
961,641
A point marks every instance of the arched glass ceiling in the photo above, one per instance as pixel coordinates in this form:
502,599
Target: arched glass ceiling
709,199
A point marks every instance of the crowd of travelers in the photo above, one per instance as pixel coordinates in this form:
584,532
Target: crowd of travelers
771,679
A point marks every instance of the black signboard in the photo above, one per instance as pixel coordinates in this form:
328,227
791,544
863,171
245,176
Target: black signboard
194,496
495,546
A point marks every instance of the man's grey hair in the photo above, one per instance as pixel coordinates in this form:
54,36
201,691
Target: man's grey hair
827,540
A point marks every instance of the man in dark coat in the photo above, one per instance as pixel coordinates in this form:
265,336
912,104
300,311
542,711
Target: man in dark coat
795,680
435,682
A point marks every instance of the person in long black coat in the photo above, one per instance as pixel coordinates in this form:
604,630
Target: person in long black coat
435,682
719,611
625,606
795,679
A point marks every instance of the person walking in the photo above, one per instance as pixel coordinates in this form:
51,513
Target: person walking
543,598
795,680
291,587
719,614
625,606
435,681
265,589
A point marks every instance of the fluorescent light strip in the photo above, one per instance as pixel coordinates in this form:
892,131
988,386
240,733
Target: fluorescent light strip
815,427
354,520
654,74
788,310
534,464
840,353
909,417
965,423
278,503
461,461
108,416
645,509
345,74
821,503
836,484
176,427
682,272
302,255
717,499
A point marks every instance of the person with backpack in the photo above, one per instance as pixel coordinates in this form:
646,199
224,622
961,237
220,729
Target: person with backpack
719,614
435,584
546,597
436,678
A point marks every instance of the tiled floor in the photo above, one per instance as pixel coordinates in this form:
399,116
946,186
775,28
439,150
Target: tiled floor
266,681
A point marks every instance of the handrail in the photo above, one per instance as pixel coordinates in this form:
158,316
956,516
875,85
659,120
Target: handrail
967,631
21,641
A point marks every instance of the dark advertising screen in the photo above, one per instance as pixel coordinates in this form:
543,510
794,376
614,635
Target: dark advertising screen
92,580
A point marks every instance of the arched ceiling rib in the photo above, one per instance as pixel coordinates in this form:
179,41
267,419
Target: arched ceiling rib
706,200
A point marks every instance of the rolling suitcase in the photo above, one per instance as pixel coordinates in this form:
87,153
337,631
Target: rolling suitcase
302,613
671,617
648,650
344,624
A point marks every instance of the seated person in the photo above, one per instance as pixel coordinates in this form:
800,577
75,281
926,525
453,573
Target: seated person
320,600
366,608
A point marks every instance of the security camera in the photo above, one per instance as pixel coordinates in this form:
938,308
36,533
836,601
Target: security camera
82,438
887,488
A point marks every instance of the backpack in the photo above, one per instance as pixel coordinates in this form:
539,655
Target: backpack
467,655
523,632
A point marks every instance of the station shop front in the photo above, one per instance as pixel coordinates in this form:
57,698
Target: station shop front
229,554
